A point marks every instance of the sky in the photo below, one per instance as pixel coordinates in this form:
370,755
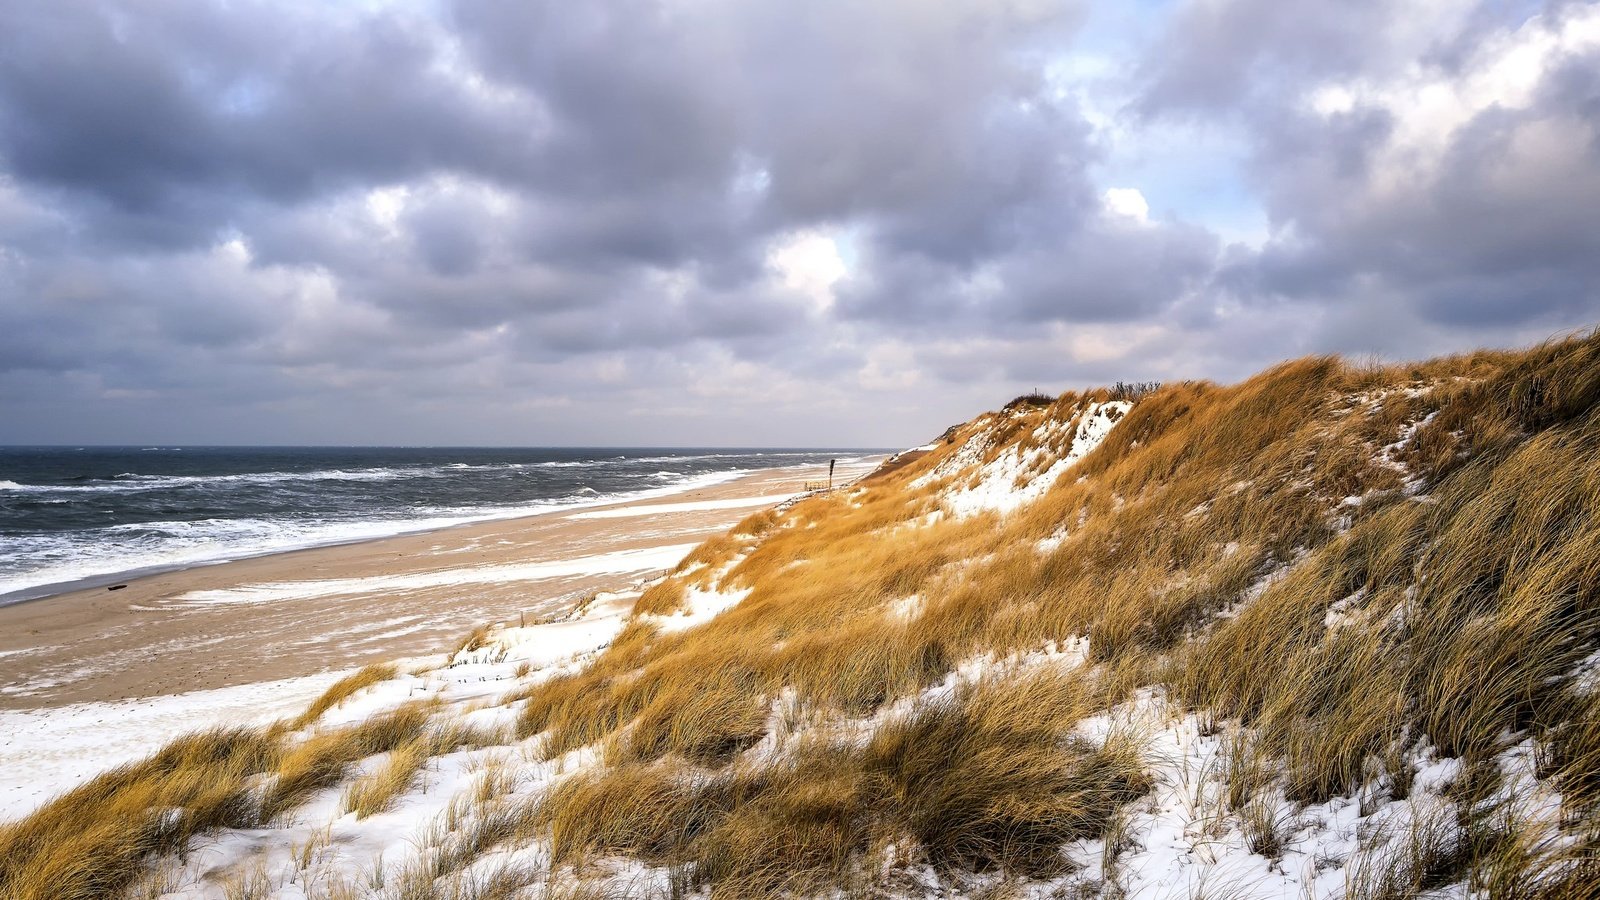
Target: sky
728,223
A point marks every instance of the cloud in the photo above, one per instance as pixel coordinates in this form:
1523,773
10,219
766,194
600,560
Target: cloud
1468,197
713,222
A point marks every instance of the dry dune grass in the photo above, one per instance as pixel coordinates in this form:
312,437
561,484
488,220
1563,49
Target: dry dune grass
1256,548
342,689
990,778
93,841
324,759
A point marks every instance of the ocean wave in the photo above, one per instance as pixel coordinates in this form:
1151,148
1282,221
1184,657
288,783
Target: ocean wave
134,481
751,454
31,563
123,482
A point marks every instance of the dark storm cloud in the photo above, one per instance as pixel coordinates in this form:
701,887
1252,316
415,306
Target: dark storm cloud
398,221
174,110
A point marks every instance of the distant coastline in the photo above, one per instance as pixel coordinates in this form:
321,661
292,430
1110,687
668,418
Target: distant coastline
74,521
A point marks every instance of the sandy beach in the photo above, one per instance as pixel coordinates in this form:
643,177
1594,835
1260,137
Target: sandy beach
297,614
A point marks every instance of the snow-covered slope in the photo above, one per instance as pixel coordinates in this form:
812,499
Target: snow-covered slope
986,474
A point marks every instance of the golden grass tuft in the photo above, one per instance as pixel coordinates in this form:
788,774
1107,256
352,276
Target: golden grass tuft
92,841
342,689
323,759
374,793
998,779
472,640
708,724
993,778
660,599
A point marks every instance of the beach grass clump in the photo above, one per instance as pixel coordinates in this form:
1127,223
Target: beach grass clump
342,689
992,779
323,760
998,779
375,793
661,599
93,841
707,722
472,640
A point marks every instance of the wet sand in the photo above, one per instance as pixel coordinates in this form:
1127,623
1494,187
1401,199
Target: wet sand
330,608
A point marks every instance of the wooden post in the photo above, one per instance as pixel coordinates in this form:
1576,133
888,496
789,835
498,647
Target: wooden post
830,474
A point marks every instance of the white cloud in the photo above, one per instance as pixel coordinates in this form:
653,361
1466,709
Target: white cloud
1128,203
384,206
1429,106
809,262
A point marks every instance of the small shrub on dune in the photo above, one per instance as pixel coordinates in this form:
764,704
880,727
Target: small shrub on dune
1034,398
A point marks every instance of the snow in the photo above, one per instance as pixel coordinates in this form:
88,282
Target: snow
700,606
44,752
322,845
621,561
906,608
969,455
1016,477
1185,841
554,643
693,506
1053,540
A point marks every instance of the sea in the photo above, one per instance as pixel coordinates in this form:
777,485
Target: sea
76,517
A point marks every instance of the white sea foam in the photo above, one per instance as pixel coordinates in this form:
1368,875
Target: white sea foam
57,559
127,482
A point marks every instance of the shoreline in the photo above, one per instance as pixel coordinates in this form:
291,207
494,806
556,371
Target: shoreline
553,507
333,607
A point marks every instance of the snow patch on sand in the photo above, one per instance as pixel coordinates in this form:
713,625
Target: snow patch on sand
621,561
44,752
689,506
